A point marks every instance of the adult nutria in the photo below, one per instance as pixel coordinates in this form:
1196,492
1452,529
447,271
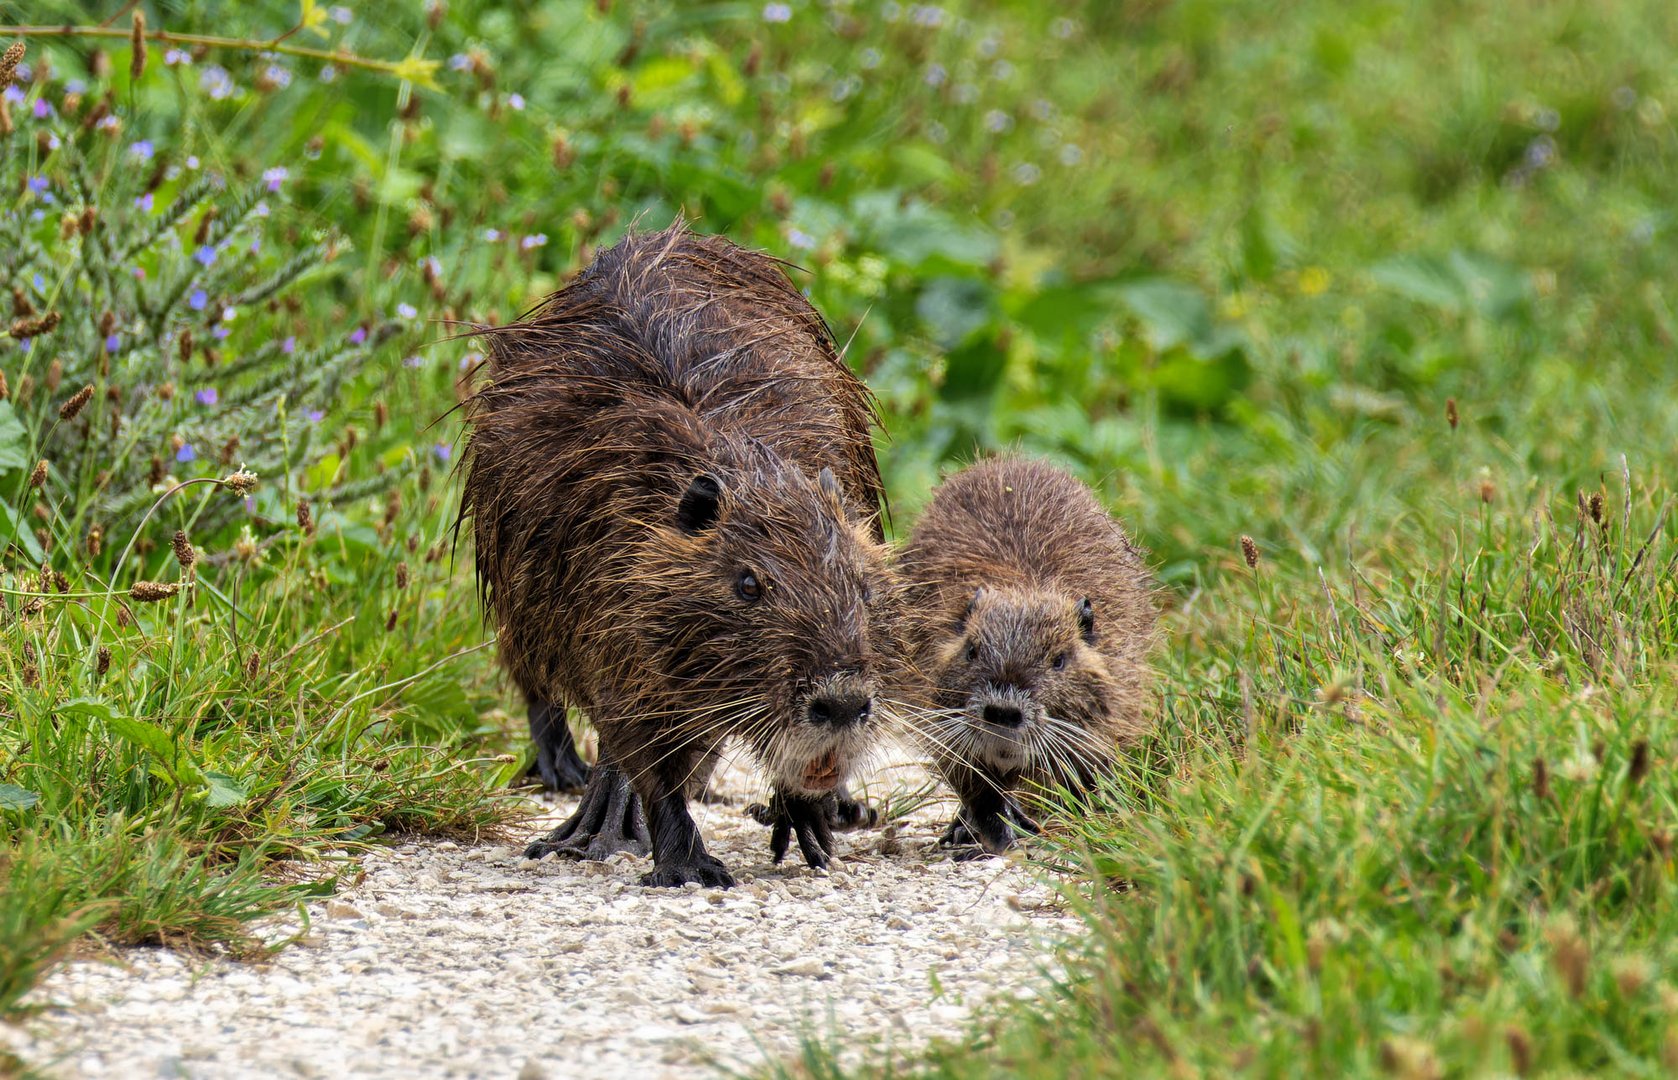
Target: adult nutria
674,501
1030,617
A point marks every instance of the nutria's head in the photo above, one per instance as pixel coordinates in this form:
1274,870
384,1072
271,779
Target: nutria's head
764,602
1020,687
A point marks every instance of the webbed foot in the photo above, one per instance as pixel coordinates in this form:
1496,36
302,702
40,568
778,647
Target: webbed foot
608,820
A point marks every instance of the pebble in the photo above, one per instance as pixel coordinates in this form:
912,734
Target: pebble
455,960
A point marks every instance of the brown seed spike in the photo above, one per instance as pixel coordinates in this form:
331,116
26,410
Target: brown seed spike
1451,412
401,575
184,553
150,592
1520,1049
1541,779
305,519
5,391
253,666
1250,552
390,623
1639,767
77,402
137,41
103,663
240,482
38,475
1596,504
9,60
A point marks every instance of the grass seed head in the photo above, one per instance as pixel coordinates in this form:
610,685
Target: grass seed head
5,391
38,475
137,41
95,541
305,519
1596,506
402,575
9,60
1541,778
390,621
1250,552
102,663
1639,767
253,666
1520,1049
76,403
150,592
1569,953
241,482
184,553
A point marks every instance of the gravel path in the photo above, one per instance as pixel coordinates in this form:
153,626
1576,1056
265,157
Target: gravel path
455,960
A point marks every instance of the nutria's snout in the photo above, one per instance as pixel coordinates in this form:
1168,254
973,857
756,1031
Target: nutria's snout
838,717
1001,719
839,710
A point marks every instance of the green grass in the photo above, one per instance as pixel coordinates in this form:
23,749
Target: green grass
1228,261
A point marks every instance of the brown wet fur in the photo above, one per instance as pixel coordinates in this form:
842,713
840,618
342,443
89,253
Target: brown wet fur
674,420
996,571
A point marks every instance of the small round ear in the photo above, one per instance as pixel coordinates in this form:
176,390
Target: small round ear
1086,620
830,485
699,506
967,612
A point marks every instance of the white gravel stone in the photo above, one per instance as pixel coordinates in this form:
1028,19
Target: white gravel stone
454,960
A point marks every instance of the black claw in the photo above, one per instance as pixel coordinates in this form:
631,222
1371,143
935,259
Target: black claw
979,831
607,821
705,870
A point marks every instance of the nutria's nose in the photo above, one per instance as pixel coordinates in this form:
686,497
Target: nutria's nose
840,709
1004,715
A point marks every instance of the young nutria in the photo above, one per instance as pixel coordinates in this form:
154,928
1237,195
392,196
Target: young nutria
674,500
1030,616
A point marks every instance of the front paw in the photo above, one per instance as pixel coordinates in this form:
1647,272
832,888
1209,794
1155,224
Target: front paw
704,869
808,819
845,814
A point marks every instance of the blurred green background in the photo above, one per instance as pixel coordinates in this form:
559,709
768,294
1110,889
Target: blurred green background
1386,286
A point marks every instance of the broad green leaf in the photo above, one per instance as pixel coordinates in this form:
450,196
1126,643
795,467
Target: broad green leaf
14,440
13,797
224,790
954,308
14,528
141,733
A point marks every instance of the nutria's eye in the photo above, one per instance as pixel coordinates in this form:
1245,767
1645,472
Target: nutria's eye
972,653
868,594
1059,661
748,588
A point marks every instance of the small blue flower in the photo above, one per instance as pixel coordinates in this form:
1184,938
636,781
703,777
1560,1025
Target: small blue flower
197,300
177,56
142,150
207,396
515,102
289,345
206,255
275,176
25,343
413,362
313,416
777,13
145,202
186,453
534,240
13,95
220,333
358,335
406,310
113,343
38,184
460,62
43,108
443,451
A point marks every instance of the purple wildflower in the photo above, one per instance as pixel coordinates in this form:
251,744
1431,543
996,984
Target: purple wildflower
412,362
220,333
358,335
177,56
206,255
197,300
186,453
492,235
38,184
141,150
534,240
406,310
113,343
443,451
144,202
43,108
289,345
207,396
275,176
313,416
515,102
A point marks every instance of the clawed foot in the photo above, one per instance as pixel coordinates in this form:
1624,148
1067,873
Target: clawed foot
608,821
704,869
845,814
983,833
807,819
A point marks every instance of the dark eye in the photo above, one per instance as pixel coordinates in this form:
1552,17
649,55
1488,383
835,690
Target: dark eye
972,653
748,588
1059,661
868,594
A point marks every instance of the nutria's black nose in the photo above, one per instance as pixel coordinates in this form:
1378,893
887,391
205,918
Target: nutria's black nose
840,709
1004,715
